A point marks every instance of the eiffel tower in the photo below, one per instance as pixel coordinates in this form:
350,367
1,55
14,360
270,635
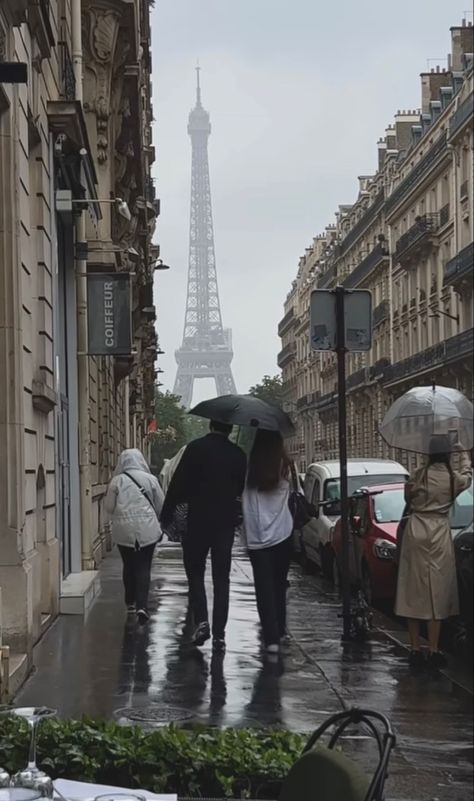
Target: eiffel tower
206,351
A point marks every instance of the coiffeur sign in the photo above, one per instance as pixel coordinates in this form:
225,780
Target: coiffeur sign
109,314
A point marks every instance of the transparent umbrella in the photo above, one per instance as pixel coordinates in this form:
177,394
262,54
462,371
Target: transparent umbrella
424,412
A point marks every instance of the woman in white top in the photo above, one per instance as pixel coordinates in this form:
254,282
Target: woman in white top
133,503
268,528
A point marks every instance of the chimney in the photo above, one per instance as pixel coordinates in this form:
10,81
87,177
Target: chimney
462,43
390,138
382,149
431,83
404,120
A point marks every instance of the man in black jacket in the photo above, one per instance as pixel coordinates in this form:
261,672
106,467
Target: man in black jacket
210,479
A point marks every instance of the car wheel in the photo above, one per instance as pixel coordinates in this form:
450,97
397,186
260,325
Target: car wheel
327,560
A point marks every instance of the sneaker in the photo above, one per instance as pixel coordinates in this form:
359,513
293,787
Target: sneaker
437,660
142,616
201,635
273,648
218,645
416,660
131,609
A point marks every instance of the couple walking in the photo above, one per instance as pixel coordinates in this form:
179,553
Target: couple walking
211,478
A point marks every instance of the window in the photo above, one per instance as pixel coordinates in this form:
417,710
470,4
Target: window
388,506
316,495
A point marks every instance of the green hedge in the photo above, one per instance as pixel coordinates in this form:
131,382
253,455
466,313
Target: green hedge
197,762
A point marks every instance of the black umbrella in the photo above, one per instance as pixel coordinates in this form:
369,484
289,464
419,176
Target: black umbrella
245,410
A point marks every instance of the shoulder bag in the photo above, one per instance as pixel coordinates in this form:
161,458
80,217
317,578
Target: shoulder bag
302,511
144,493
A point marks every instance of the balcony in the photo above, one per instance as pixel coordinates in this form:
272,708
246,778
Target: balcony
461,116
459,270
286,323
286,355
414,178
376,257
307,401
381,313
417,240
326,279
326,402
361,225
444,216
457,347
357,379
377,371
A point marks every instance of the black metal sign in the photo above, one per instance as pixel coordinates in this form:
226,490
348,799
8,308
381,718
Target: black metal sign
109,314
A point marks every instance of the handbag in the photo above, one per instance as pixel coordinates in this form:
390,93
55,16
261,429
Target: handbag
302,511
176,528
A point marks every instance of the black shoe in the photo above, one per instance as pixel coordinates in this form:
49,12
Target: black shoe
437,660
218,645
201,635
416,660
142,616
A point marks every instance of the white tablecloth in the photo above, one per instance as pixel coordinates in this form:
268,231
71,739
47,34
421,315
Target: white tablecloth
83,791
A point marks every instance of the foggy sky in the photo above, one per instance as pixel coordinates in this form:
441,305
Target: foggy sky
298,92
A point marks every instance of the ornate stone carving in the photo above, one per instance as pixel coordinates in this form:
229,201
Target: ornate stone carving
100,36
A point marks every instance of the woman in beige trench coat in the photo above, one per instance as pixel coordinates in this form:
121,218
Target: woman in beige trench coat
427,583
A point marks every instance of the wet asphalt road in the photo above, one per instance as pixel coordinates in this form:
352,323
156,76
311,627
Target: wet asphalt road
109,668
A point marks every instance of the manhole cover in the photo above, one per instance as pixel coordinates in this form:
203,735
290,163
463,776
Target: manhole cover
159,715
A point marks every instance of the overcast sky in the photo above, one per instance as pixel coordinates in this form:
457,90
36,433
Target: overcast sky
299,91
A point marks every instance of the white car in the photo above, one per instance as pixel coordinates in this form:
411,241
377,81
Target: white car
322,485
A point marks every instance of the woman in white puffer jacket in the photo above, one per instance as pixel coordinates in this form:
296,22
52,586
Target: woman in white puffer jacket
133,505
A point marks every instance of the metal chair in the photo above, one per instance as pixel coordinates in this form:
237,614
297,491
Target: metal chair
326,774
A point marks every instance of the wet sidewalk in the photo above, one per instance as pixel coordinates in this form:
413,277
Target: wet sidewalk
106,667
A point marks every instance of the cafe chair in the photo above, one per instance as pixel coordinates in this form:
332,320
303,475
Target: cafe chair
324,773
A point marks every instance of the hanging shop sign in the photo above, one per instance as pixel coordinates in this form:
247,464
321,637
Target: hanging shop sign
109,314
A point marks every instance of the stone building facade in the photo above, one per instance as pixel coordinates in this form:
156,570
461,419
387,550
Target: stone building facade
73,139
408,239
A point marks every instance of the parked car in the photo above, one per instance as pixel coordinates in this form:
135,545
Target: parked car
372,541
322,486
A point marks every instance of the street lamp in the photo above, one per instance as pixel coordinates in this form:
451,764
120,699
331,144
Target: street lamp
65,202
160,266
445,314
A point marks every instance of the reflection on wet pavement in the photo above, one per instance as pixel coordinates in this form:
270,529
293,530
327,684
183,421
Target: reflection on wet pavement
107,667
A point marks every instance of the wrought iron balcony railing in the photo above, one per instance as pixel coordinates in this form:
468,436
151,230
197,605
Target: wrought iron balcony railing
286,322
419,235
360,226
378,255
381,313
326,401
357,379
378,369
417,173
68,88
461,116
456,347
444,215
286,354
461,267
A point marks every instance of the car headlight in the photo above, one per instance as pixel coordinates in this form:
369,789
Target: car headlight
384,549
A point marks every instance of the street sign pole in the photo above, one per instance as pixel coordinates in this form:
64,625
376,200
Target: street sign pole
340,294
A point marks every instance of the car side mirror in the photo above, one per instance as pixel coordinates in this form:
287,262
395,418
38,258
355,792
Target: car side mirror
357,525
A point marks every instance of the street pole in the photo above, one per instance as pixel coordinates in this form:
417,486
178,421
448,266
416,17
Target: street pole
340,293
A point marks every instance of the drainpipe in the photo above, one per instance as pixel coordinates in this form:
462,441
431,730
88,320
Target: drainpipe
82,338
390,291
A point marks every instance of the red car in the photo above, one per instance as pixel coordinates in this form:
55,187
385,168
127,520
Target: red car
373,540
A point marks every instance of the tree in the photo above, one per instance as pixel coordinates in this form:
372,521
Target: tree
175,428
270,389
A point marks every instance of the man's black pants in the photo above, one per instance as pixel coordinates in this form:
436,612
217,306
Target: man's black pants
270,570
196,548
136,574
